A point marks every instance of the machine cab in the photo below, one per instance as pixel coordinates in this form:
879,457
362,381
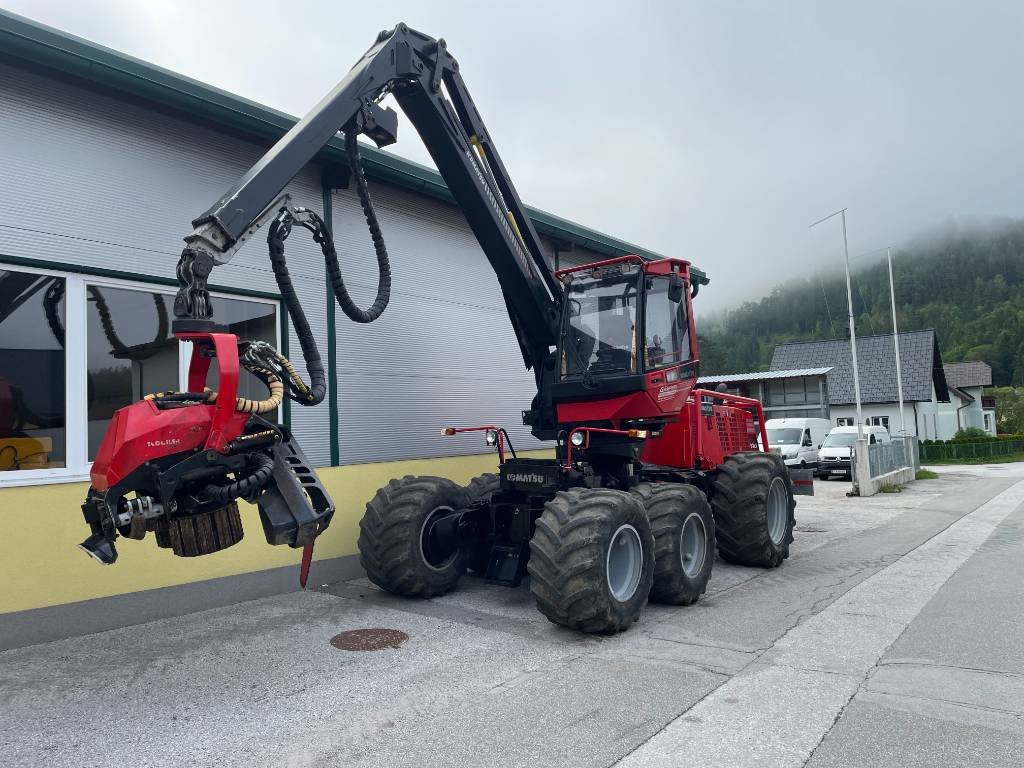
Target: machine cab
626,326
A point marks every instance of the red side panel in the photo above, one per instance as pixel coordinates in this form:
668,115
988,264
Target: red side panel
709,434
141,432
674,448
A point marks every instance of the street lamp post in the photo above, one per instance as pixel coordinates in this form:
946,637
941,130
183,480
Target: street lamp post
896,343
853,331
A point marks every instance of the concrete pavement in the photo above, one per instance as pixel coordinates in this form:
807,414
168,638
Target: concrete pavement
892,636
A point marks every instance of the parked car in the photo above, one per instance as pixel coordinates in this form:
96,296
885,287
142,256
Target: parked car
835,451
798,440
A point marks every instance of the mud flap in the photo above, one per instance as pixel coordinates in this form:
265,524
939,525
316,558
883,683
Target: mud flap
294,507
803,481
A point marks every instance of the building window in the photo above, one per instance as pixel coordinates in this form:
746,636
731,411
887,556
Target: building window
32,381
62,380
844,421
249,321
988,422
879,421
130,352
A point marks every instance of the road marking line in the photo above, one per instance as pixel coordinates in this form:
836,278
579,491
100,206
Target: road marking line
776,712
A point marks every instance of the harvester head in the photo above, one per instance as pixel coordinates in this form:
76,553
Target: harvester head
175,464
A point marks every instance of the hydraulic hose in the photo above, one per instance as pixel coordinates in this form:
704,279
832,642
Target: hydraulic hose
317,389
244,486
260,358
353,312
280,228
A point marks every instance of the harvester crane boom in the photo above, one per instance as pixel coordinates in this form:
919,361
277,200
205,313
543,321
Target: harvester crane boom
424,79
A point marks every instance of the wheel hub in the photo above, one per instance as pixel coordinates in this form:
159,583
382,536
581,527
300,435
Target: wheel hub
624,563
777,509
693,545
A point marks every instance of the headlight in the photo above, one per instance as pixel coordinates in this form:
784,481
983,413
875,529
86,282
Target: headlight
491,436
577,439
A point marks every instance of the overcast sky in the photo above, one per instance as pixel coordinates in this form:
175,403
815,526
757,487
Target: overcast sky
710,131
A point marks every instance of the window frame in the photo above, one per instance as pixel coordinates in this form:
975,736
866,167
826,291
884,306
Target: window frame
76,414
845,421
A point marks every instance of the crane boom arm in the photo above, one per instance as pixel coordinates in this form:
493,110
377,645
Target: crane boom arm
424,79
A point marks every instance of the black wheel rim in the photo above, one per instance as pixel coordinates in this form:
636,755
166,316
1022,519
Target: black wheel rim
437,547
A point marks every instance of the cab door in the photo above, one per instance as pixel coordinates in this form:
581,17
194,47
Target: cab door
666,342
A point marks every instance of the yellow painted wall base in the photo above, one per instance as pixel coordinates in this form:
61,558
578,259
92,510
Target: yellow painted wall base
41,565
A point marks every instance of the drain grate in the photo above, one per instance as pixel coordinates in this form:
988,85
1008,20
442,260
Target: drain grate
368,639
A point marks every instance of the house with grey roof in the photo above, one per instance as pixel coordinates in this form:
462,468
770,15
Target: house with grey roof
970,379
930,408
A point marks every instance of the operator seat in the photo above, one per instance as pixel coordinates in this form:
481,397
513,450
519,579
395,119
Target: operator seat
583,340
616,349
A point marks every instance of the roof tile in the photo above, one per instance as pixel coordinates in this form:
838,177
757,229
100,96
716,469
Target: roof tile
973,373
920,361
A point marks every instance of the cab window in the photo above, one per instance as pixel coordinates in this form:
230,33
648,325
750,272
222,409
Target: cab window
666,327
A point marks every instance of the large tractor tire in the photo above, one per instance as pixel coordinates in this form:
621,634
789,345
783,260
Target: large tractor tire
399,545
684,541
481,488
753,506
592,560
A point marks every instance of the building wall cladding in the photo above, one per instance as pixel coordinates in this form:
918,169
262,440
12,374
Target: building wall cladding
443,353
99,183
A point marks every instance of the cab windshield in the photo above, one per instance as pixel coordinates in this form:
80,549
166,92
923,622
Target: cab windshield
784,436
599,334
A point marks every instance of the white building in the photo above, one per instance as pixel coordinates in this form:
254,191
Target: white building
967,381
930,410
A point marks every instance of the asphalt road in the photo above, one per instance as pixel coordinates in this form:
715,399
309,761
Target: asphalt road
893,636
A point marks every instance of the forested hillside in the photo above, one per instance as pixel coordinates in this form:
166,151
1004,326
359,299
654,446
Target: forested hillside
967,283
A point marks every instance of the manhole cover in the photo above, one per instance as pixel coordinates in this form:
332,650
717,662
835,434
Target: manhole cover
368,639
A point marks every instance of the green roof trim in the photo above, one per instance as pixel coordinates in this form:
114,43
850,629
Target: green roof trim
28,41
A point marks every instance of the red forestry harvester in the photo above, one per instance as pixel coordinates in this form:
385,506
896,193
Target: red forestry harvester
650,474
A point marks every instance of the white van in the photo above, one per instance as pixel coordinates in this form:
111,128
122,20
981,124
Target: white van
798,440
835,451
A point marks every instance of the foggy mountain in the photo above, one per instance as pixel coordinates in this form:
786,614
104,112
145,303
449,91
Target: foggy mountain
965,280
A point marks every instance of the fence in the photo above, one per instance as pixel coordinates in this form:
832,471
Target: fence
895,462
981,450
902,452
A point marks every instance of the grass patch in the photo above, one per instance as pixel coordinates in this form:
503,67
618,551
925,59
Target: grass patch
925,474
981,459
890,488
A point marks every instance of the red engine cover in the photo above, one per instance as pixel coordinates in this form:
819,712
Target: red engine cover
709,437
142,432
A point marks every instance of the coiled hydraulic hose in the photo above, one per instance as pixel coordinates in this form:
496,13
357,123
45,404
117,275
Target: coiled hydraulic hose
262,360
280,228
353,312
